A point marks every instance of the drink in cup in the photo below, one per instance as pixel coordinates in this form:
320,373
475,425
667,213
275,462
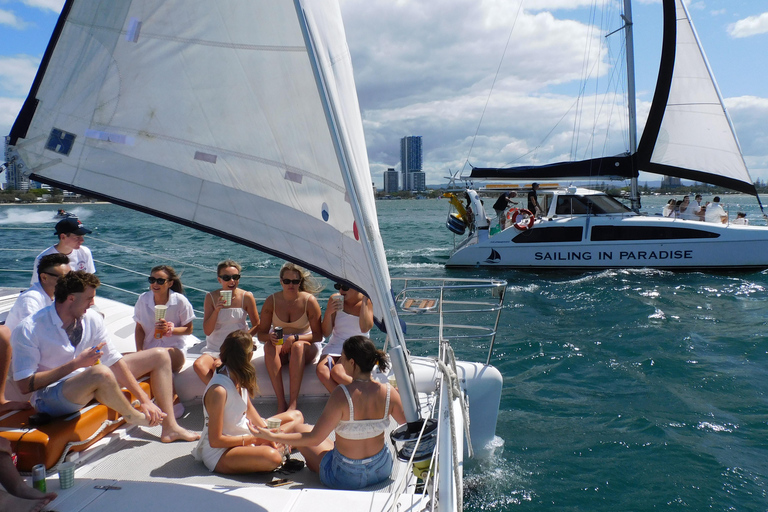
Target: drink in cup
273,424
160,311
339,301
227,296
279,334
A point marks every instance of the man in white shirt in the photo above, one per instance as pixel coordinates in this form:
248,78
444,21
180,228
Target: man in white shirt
32,300
64,356
715,212
70,232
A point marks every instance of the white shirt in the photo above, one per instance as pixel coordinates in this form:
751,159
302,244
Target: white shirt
179,312
714,213
79,259
40,343
29,302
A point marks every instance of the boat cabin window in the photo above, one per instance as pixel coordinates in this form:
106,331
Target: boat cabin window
612,233
582,205
549,234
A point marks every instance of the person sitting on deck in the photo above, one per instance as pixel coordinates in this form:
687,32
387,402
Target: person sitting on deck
687,210
227,446
32,300
221,318
715,212
350,316
18,496
741,218
360,414
63,355
172,331
669,208
296,311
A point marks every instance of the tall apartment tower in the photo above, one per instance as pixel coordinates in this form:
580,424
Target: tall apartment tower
390,181
13,176
410,160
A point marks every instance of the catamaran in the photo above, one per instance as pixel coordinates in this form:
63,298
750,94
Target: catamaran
688,135
239,119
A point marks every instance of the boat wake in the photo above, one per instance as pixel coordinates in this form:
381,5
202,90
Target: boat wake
24,216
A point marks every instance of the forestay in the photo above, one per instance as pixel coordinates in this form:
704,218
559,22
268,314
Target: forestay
235,117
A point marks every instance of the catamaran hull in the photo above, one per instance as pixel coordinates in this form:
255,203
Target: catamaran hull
618,242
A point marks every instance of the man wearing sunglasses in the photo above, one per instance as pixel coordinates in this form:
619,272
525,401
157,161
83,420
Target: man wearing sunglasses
70,232
63,355
32,300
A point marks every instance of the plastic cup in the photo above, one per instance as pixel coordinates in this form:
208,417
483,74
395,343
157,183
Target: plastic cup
273,424
160,311
66,475
227,296
339,301
392,381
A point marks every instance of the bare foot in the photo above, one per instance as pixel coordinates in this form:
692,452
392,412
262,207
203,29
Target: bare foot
11,405
293,406
137,418
10,503
178,434
282,406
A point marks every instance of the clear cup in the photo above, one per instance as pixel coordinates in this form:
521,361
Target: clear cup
66,475
227,296
160,311
273,424
339,298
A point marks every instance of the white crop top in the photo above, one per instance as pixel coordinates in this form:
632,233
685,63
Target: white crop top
362,429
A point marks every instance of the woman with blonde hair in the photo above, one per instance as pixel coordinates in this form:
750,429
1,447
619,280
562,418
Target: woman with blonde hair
226,445
359,413
222,316
171,332
296,311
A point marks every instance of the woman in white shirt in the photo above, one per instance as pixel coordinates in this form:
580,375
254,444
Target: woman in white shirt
171,332
343,319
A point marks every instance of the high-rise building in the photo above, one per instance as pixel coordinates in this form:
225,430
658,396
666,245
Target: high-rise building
418,180
410,159
390,181
13,177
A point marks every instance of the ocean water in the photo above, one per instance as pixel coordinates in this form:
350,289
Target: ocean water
624,390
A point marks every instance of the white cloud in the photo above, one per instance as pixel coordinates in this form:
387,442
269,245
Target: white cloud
9,109
17,74
51,5
10,19
749,26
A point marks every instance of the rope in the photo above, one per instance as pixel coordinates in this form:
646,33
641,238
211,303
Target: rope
104,425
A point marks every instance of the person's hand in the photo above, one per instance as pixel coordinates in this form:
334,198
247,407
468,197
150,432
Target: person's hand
261,432
220,304
89,357
152,412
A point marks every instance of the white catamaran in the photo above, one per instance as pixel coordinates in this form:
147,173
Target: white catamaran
240,118
688,135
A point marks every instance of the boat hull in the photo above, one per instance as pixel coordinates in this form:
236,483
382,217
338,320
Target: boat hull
596,242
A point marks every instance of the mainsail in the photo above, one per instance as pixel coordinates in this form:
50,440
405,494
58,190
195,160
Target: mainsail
239,118
688,133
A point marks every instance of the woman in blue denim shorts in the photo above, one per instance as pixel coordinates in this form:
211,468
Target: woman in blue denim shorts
359,413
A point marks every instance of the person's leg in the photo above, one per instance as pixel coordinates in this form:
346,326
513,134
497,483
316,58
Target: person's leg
313,454
323,372
290,420
156,363
5,367
340,376
12,481
177,359
249,459
99,382
204,367
10,503
274,367
301,355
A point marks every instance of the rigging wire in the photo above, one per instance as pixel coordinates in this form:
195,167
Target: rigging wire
490,92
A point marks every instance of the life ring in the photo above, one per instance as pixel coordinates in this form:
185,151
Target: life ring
523,224
512,212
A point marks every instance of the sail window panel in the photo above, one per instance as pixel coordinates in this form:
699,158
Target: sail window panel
623,233
549,234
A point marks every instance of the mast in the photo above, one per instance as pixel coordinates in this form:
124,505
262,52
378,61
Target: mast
631,99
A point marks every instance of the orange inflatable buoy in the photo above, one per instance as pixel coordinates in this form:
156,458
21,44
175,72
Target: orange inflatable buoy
526,219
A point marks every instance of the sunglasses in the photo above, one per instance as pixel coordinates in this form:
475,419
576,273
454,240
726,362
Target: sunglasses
341,287
236,277
158,280
57,276
291,281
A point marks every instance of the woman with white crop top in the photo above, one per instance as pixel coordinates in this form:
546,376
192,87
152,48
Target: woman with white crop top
351,316
359,413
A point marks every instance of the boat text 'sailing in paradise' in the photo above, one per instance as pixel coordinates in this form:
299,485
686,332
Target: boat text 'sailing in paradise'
688,135
241,119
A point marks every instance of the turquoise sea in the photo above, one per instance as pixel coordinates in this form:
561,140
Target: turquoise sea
624,390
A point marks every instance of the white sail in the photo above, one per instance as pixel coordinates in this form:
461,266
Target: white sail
696,132
212,114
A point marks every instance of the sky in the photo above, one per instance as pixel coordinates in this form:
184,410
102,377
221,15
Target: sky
492,82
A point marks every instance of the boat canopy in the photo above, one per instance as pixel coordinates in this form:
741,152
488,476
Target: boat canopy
688,133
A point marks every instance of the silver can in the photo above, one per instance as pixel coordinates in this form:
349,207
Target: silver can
38,477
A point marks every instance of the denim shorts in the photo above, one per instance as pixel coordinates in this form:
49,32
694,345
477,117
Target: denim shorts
50,400
340,472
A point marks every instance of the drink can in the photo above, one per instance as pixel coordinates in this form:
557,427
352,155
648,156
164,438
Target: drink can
38,477
279,334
